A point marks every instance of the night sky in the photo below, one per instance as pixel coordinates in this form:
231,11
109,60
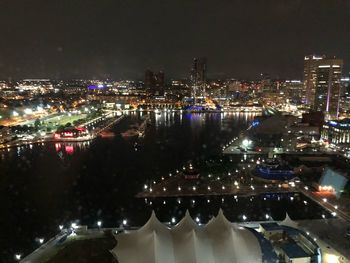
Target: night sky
120,39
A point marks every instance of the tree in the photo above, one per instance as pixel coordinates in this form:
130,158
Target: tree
37,123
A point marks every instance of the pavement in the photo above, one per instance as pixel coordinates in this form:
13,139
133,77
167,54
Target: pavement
331,236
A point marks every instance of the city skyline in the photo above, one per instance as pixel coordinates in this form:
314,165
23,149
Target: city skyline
120,40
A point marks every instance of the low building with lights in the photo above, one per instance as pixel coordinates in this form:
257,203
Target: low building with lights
70,133
336,131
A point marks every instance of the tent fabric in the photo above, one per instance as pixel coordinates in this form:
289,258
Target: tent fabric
219,241
289,222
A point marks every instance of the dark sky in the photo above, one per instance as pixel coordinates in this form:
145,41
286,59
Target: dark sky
120,39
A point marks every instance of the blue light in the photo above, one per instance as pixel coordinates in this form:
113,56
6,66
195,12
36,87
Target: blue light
333,123
255,123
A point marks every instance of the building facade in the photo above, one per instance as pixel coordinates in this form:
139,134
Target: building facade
328,86
199,77
336,131
310,65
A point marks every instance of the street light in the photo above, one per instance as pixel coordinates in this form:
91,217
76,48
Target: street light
60,227
125,222
99,223
18,256
244,217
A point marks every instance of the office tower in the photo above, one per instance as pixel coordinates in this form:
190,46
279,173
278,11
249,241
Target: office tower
266,82
159,83
154,82
198,77
294,90
310,65
328,85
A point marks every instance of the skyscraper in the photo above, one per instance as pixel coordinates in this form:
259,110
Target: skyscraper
328,85
154,82
199,77
310,65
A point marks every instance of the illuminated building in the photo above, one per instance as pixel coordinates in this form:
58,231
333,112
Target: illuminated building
336,131
198,77
333,182
322,83
155,82
294,89
70,133
310,65
327,93
266,83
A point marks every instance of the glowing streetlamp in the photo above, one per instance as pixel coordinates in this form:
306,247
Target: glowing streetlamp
99,223
244,217
125,222
18,257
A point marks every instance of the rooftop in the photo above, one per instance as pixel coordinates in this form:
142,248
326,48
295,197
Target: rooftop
292,250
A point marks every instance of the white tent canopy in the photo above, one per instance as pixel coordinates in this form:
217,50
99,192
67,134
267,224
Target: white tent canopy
220,241
289,222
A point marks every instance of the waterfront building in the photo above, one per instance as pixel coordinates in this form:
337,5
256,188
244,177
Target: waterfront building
155,82
199,77
70,133
217,241
336,131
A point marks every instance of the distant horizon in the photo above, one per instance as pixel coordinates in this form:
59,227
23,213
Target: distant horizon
120,39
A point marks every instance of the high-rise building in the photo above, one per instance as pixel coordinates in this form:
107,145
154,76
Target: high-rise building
149,79
328,86
154,82
310,65
199,77
293,89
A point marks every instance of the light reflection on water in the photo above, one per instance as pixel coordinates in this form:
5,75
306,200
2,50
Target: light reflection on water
52,184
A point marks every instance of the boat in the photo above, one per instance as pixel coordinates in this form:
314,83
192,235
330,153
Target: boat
130,133
107,134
